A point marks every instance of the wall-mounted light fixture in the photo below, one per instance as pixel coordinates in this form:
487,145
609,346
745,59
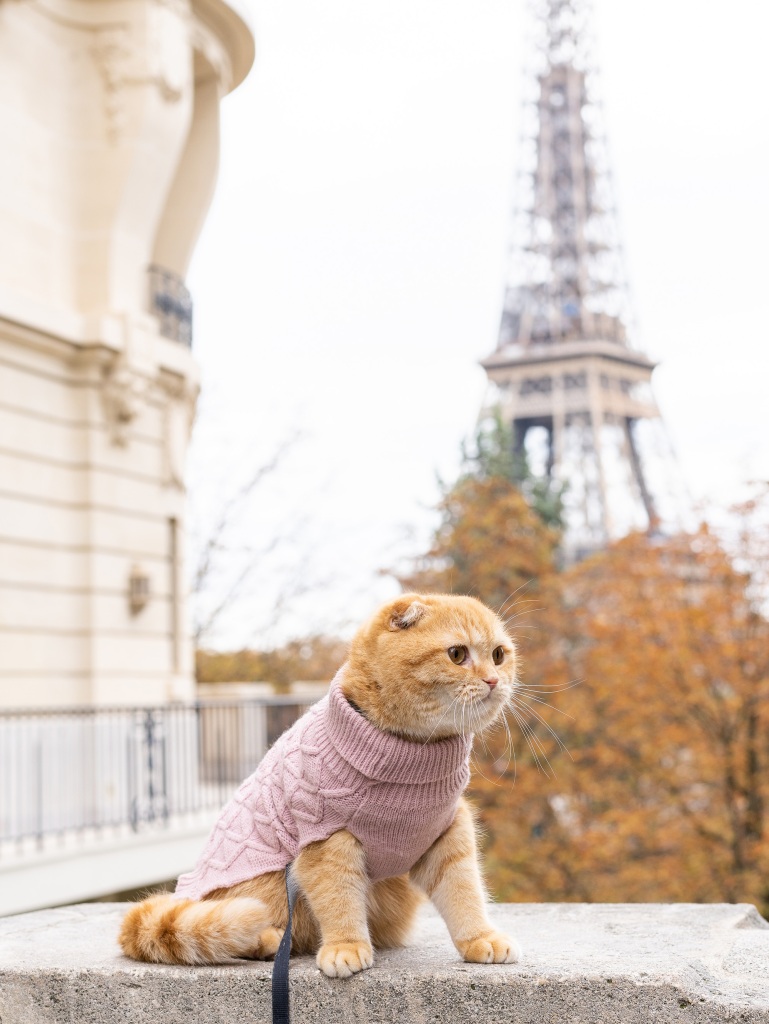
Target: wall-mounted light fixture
138,589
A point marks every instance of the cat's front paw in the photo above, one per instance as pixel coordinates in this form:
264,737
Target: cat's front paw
343,959
490,948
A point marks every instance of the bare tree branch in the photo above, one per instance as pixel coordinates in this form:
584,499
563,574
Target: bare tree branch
219,551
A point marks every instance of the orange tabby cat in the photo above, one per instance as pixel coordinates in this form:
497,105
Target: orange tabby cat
423,675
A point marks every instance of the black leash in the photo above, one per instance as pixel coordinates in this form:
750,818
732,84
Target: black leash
281,1013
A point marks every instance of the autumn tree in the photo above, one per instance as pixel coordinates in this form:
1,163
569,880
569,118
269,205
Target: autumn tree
665,794
491,542
237,545
311,658
494,453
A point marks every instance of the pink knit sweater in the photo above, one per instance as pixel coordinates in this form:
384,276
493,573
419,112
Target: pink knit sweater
334,770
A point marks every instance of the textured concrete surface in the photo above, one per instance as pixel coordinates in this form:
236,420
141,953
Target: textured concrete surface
599,964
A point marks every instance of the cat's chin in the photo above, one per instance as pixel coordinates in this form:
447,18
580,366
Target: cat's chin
472,718
488,709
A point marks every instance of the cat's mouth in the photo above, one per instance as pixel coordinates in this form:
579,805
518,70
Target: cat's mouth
490,704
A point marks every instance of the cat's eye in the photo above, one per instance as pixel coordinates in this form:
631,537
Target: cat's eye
458,654
498,655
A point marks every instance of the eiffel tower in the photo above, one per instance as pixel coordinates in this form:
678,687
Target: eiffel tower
565,374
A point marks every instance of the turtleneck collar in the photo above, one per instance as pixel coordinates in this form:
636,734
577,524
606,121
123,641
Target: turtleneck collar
384,757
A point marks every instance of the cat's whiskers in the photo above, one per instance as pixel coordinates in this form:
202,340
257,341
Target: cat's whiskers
465,707
510,744
475,700
524,726
553,733
500,611
480,732
511,747
547,704
534,742
536,745
480,771
457,730
519,615
445,712
520,608
546,688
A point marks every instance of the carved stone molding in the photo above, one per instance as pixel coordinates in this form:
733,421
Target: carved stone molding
124,61
110,51
124,391
181,403
120,59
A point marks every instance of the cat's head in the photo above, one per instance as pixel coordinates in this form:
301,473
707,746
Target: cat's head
430,666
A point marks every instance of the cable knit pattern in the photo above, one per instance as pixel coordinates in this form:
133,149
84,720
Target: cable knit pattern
332,770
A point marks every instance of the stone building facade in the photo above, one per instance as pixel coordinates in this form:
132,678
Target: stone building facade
109,121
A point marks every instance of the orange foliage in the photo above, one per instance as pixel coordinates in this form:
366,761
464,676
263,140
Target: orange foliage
665,795
664,792
313,658
491,544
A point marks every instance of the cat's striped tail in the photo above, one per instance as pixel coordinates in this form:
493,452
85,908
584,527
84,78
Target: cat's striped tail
166,930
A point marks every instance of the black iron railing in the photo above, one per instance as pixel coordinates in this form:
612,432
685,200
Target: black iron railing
171,302
69,771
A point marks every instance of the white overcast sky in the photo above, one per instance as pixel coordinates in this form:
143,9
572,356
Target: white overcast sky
351,271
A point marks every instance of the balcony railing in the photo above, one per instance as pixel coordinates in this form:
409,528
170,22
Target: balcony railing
97,770
171,302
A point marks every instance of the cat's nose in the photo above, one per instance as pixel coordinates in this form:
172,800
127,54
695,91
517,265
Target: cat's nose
491,683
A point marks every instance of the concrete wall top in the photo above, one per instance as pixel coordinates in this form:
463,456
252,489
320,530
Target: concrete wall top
601,963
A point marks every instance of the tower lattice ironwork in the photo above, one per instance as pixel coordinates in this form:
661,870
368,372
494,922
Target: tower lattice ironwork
565,374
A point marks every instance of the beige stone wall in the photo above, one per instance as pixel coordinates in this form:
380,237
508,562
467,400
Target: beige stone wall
109,116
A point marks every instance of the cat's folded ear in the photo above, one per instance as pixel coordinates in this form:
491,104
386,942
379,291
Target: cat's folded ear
406,612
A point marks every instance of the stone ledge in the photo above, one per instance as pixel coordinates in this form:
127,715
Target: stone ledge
601,964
